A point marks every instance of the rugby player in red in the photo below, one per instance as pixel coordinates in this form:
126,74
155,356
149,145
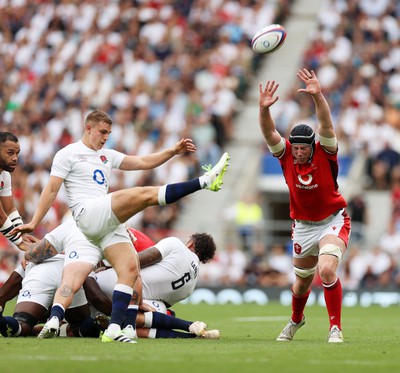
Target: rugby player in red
321,226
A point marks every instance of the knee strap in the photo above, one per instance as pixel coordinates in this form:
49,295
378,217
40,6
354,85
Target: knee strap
331,249
304,272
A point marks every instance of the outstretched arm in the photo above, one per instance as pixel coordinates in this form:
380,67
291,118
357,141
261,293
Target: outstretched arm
323,111
47,198
267,124
147,162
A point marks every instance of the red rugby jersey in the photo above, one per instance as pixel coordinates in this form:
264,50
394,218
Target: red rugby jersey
313,188
142,241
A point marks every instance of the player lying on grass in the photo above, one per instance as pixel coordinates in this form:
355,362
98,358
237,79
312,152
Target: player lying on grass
169,273
41,281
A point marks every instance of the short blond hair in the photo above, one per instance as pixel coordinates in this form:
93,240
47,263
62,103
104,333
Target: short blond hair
98,116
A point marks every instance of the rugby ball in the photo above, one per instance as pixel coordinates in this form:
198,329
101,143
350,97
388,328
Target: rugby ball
268,39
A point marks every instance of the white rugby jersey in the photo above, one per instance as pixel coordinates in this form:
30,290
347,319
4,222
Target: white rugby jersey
5,184
171,280
86,172
175,276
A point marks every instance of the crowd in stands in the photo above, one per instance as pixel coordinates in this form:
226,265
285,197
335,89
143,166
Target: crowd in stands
166,69
162,69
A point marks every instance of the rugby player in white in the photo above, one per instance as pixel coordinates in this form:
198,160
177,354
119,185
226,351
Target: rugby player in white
85,167
169,273
9,215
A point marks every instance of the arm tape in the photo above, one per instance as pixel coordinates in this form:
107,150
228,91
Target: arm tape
277,147
15,218
7,227
328,141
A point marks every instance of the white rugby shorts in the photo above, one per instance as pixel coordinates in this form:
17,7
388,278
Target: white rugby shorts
306,237
41,282
100,225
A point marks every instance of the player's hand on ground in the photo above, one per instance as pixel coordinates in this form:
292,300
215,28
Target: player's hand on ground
185,146
267,94
310,80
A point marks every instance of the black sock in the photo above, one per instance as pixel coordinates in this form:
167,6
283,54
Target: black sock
163,321
167,333
176,191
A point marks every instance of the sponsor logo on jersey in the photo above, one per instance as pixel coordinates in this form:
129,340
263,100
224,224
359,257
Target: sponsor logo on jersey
305,179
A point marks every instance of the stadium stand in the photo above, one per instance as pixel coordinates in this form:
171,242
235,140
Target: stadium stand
166,69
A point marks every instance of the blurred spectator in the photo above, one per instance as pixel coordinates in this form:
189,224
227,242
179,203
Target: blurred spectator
358,211
382,165
353,267
248,217
378,267
204,136
210,273
280,268
233,263
256,264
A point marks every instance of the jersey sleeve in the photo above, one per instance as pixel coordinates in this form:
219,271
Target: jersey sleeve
116,157
168,245
5,184
61,164
20,270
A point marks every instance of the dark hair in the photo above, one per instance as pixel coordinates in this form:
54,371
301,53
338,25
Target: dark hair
204,246
7,136
302,134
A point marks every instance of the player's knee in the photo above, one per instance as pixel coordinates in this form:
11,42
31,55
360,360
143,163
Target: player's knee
331,249
304,272
27,322
329,258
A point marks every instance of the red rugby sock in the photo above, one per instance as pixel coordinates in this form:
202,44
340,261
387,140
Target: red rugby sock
333,299
298,305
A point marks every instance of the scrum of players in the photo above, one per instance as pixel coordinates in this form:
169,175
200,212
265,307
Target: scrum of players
169,272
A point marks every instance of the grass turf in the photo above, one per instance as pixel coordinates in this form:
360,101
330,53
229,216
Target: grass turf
372,340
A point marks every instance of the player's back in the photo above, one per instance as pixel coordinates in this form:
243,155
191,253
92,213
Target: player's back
175,276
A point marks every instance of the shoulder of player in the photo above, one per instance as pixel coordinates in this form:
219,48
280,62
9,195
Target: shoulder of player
323,150
170,244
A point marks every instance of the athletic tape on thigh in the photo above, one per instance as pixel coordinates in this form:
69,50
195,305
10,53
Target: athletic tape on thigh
331,249
304,272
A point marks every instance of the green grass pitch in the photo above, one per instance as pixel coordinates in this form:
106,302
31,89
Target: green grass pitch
372,344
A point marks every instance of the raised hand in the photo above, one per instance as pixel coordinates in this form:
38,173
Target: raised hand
267,95
310,80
